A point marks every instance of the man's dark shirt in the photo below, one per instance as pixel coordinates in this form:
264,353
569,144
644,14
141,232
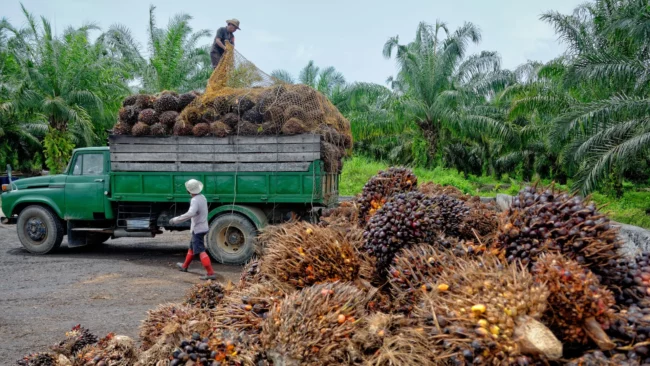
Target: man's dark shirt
223,35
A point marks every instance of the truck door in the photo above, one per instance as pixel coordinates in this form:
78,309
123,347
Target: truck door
85,186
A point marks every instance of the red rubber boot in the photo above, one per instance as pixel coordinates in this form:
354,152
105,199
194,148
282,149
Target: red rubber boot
205,260
188,259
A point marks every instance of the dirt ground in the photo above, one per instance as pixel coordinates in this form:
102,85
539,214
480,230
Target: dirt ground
106,288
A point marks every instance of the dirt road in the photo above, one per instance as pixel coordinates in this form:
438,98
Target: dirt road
107,288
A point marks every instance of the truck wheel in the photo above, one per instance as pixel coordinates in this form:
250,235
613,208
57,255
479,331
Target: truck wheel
231,239
39,230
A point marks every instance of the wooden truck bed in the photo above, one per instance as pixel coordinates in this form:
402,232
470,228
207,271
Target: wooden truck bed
235,169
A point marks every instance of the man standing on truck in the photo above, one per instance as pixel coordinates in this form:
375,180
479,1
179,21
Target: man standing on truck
198,213
224,34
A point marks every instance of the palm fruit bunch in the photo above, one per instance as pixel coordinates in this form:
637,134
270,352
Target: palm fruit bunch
219,129
403,221
481,221
314,326
130,100
182,128
598,358
376,327
141,129
158,129
484,312
201,129
631,332
167,101
293,126
253,115
250,275
242,313
39,359
148,116
168,119
579,307
231,120
304,254
76,339
409,347
347,212
248,129
205,295
635,286
209,352
388,340
193,351
185,99
242,104
414,272
191,115
144,101
450,214
234,349
128,115
461,247
121,128
381,187
542,220
112,350
153,327
330,154
434,189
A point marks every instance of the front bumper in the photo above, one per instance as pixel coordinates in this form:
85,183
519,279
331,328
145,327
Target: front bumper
8,220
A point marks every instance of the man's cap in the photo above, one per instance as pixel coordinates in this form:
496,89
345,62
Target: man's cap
234,22
194,186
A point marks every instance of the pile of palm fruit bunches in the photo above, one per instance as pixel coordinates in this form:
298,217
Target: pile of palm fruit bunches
279,110
409,274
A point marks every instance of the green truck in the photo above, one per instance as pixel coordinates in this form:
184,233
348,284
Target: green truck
135,185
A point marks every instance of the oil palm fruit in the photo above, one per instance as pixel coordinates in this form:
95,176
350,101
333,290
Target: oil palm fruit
381,187
580,309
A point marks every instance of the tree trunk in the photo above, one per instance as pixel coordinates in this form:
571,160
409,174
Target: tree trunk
527,168
618,185
431,133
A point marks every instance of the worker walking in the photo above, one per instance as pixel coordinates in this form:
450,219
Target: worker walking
198,213
224,34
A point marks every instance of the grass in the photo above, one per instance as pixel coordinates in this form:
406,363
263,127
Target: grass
630,209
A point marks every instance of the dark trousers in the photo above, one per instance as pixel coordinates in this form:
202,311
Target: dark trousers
215,56
197,243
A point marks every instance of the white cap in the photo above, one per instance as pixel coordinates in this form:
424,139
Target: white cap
194,186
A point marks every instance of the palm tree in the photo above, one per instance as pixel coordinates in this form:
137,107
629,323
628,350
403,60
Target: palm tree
608,130
440,85
176,60
68,82
283,76
328,81
528,104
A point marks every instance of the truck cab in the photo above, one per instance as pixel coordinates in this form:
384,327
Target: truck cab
42,206
99,196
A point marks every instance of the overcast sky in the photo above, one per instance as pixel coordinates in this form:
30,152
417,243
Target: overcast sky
348,35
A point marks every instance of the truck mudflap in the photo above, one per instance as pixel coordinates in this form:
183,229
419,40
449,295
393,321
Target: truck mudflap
8,220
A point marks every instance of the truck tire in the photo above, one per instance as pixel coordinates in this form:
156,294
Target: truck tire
39,230
231,239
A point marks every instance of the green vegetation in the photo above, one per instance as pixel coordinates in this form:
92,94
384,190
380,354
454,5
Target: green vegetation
629,209
582,119
63,91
